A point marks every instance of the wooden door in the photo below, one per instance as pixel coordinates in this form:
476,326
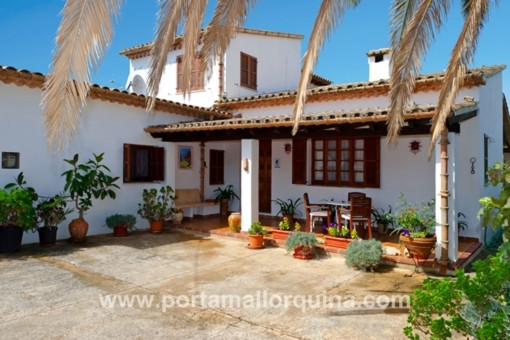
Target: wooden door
265,176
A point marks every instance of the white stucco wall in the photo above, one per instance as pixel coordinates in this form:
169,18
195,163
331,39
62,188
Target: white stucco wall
104,127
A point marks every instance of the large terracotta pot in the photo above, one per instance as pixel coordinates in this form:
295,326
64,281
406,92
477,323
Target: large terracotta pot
337,242
78,229
303,253
419,248
156,226
234,222
256,241
47,236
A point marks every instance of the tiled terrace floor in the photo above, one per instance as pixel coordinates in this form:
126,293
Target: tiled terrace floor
215,225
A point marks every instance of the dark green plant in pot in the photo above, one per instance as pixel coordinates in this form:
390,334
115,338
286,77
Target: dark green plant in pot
298,239
364,254
157,205
115,220
288,208
17,204
51,211
256,228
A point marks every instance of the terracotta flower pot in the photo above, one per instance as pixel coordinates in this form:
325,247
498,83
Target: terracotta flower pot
120,230
419,247
156,226
337,242
280,234
303,253
78,229
256,241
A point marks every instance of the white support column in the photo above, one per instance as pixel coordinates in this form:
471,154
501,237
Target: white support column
249,182
170,166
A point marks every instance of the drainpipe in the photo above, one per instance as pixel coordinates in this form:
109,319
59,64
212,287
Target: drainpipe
202,170
444,194
220,77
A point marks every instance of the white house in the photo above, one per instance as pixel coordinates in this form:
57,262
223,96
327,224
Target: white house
243,117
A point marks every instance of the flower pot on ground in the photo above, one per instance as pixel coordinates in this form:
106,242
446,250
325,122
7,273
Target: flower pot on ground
224,196
177,216
383,218
288,208
85,182
17,214
51,211
339,239
416,227
284,229
302,243
157,206
234,222
121,224
256,235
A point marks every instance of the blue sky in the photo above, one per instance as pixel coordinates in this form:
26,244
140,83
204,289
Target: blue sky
29,27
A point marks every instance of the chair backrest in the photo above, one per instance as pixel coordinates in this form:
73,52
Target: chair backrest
361,208
306,202
354,194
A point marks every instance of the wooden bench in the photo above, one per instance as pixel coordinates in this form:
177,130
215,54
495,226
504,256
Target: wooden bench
189,199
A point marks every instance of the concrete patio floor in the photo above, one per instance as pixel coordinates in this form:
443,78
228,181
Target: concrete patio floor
58,292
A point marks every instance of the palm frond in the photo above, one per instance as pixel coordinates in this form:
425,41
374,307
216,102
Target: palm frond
462,55
192,30
402,12
407,57
228,16
330,13
84,33
170,14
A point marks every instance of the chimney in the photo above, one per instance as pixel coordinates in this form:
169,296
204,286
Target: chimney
379,63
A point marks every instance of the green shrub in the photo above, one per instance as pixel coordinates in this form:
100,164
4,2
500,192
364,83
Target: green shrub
364,254
468,305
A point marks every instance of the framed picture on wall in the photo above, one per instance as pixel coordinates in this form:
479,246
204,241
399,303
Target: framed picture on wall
185,157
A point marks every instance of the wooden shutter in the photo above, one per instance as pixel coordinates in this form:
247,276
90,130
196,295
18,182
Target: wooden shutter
127,162
372,162
299,161
252,73
157,165
244,69
179,74
216,166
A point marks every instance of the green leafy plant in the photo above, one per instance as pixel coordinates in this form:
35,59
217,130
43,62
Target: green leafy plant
157,204
51,211
284,224
121,219
225,193
17,205
364,254
297,226
476,305
343,232
418,220
88,180
289,207
384,217
256,228
300,239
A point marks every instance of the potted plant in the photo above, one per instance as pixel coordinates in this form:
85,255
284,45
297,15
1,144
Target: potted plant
383,218
157,206
284,229
416,227
224,196
256,235
288,208
51,211
17,214
85,181
177,216
302,243
121,223
339,238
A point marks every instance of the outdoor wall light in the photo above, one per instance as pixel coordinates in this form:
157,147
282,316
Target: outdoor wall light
473,161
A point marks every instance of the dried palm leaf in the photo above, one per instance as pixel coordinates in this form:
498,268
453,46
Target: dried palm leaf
402,12
407,56
84,33
461,56
228,16
330,13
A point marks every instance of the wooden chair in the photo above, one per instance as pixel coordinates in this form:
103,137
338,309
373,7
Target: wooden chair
354,194
360,212
315,211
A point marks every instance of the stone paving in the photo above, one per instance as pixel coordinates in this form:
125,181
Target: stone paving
177,285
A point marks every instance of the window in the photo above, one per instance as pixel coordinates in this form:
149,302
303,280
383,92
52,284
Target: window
143,163
248,71
197,74
216,166
352,162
